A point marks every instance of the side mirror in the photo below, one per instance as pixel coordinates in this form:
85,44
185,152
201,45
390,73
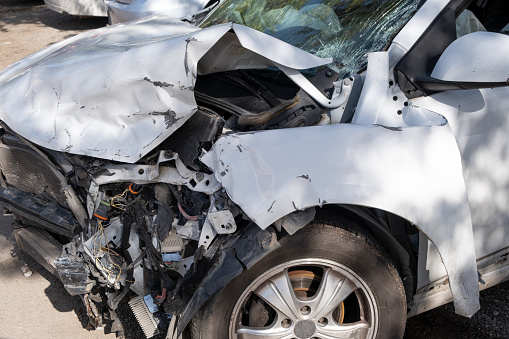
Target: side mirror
477,60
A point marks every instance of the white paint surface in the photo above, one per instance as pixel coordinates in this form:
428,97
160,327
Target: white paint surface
116,93
475,57
413,172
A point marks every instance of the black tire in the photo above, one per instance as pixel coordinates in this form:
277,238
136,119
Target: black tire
315,253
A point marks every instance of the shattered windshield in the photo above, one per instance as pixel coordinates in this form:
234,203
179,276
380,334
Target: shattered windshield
345,30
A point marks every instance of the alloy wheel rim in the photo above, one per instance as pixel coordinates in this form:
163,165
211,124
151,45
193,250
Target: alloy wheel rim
306,298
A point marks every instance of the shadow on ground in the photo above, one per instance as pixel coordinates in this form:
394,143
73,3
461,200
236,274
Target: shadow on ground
65,22
14,5
442,323
60,299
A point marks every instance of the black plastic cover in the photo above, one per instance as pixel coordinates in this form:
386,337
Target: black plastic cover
26,170
432,85
423,56
197,132
227,258
49,215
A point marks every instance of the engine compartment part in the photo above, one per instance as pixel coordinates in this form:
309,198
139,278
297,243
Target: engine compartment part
172,243
200,131
40,245
49,215
102,249
228,257
24,169
263,99
74,274
143,314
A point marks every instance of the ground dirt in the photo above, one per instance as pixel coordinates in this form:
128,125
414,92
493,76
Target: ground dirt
39,306
27,26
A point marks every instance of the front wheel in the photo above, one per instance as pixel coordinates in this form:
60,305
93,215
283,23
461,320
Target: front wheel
324,282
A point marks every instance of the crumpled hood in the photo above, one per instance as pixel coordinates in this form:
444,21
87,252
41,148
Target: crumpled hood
117,92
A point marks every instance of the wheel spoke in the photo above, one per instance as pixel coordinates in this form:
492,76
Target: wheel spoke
245,332
333,331
334,288
278,293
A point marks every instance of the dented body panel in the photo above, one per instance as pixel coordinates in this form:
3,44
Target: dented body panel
413,172
198,149
76,91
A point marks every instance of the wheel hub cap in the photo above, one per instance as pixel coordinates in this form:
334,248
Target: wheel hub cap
305,329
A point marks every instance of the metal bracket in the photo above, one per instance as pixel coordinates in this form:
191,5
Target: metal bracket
190,230
300,80
343,88
208,233
143,174
183,265
222,221
181,168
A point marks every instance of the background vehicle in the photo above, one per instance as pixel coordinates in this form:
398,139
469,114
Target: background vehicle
127,10
371,165
78,7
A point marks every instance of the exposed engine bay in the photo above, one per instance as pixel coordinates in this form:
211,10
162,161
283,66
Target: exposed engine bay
157,164
152,233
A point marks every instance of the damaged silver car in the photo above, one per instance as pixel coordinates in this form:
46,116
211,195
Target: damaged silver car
289,169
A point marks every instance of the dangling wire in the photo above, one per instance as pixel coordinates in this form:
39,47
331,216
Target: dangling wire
114,202
160,298
99,250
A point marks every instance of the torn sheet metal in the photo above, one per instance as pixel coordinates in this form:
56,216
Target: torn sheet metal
130,85
414,172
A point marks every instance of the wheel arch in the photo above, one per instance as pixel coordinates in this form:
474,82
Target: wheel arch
391,231
330,235
229,256
413,172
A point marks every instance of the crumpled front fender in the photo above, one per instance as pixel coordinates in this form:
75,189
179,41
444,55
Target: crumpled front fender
414,172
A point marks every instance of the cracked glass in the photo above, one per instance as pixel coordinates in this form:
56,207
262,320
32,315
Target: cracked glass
343,30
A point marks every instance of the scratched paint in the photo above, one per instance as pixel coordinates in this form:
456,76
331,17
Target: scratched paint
122,85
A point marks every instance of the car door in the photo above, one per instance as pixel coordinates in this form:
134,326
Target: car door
478,117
